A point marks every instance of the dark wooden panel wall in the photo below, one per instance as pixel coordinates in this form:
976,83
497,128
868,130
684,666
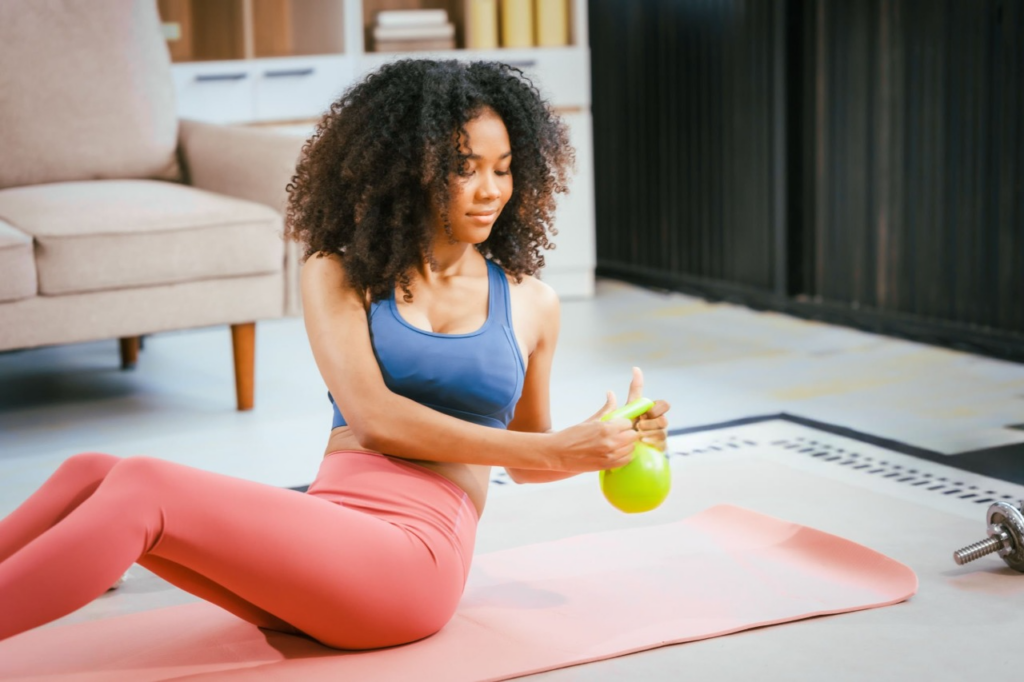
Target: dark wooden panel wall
860,161
916,186
682,142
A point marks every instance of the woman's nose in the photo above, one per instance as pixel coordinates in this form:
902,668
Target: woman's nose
489,187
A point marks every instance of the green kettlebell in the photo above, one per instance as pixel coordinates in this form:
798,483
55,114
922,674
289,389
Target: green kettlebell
644,483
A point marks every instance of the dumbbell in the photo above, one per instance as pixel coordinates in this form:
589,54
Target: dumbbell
1005,535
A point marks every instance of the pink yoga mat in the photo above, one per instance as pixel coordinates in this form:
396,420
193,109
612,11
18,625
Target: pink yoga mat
525,610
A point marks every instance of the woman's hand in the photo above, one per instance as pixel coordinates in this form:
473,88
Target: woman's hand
595,445
652,424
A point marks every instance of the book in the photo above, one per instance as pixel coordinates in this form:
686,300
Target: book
517,23
552,22
438,32
413,45
483,25
412,17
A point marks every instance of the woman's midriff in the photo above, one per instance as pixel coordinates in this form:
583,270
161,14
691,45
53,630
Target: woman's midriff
472,478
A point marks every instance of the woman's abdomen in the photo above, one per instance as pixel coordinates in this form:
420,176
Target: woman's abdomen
471,478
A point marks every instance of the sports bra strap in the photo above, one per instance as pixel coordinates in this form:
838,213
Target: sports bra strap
500,304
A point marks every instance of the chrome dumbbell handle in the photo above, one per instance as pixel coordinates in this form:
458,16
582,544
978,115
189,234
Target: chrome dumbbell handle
1006,536
980,549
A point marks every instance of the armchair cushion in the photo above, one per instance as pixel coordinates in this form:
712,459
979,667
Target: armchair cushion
17,264
91,95
113,234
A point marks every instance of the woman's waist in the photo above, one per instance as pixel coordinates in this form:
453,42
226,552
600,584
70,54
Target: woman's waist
467,478
463,479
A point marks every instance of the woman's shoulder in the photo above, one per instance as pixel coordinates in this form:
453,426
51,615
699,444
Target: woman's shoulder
323,274
537,294
323,264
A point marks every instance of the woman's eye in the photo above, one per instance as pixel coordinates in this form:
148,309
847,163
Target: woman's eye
470,173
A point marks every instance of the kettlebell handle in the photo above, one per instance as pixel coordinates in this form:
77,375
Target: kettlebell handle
630,411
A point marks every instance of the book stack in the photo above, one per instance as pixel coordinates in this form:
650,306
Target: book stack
552,22
523,23
410,30
516,23
482,27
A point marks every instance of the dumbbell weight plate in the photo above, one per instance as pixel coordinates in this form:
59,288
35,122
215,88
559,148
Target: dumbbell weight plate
1010,518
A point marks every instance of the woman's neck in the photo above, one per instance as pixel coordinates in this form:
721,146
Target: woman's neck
453,260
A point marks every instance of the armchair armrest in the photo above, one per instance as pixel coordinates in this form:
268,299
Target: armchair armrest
246,163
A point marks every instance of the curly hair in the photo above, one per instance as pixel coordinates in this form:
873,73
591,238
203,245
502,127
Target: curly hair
382,159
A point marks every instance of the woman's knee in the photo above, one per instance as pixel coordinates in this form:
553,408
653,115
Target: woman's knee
146,477
87,466
143,472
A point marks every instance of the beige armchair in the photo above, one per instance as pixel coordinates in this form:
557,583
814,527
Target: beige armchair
116,219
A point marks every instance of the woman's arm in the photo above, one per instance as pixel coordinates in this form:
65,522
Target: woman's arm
384,421
533,411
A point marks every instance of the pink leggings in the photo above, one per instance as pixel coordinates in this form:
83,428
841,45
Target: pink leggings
375,554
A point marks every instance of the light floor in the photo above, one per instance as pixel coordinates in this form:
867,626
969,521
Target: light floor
713,362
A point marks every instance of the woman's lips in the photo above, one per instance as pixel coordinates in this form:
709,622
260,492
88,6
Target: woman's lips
483,217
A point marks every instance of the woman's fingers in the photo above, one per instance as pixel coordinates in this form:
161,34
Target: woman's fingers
659,408
621,461
657,424
609,405
625,452
654,416
653,425
620,425
636,386
653,431
625,438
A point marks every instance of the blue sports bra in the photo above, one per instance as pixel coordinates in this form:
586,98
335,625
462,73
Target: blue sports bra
477,376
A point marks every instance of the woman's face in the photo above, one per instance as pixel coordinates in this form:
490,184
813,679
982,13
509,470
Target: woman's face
481,192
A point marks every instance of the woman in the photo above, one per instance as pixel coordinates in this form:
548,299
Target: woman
408,184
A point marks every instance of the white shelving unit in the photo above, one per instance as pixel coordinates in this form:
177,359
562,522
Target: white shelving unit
326,39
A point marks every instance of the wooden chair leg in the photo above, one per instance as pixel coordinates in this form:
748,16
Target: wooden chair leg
243,342
129,352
